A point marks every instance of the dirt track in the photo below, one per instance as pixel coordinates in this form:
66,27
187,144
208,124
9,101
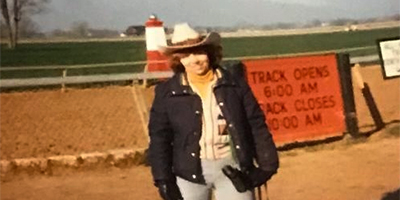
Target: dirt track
43,123
342,170
47,123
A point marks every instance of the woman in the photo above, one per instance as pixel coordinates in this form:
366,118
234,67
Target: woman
202,120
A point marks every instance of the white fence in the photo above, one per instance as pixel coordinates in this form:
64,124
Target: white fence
64,79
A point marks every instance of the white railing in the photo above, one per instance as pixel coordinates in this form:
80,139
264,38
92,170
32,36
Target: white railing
64,79
82,79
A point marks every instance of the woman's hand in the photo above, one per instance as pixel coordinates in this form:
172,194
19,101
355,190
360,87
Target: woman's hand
169,190
258,177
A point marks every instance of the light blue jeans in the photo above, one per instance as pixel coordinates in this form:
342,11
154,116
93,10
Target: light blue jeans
215,181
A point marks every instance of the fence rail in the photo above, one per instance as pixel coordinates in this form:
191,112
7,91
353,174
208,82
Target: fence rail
82,79
10,83
25,68
66,67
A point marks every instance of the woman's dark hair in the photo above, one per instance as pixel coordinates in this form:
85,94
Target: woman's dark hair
214,54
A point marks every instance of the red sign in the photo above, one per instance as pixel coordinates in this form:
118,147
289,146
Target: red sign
300,96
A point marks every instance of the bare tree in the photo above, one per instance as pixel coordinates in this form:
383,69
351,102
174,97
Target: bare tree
29,29
6,16
80,29
21,9
17,17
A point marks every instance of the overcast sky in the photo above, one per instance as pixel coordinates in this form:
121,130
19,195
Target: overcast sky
118,14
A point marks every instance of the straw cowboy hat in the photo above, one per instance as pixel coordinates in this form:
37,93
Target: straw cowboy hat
185,37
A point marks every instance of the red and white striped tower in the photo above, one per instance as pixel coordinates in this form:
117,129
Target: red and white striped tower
155,37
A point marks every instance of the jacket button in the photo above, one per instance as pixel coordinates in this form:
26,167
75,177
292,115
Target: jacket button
230,125
173,92
195,133
197,112
237,147
221,104
184,91
193,154
194,176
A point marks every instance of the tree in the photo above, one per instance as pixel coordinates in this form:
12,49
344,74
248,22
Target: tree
80,29
29,29
6,16
315,23
135,30
60,33
21,9
340,22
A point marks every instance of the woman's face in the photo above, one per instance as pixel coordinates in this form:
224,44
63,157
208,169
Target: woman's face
195,62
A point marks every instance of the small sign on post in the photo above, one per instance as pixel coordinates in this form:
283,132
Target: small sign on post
389,54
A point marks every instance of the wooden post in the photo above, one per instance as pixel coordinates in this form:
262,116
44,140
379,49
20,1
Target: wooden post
344,69
64,74
261,193
369,99
135,81
142,108
266,196
357,76
146,67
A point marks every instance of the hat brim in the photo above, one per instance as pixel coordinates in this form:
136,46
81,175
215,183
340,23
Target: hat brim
212,38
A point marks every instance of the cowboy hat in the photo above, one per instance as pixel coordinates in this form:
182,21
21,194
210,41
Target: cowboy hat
183,33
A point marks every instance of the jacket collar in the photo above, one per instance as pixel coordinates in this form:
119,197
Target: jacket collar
181,85
223,78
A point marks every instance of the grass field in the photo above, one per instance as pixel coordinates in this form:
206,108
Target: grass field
42,54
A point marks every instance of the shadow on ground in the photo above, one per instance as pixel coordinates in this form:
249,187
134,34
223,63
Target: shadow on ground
392,128
394,195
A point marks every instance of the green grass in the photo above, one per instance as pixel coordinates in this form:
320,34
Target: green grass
47,54
41,54
234,47
70,72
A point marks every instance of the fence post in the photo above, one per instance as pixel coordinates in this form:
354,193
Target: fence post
142,108
346,83
64,74
146,67
369,99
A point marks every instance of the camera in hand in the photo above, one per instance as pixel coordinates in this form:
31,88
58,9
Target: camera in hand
236,176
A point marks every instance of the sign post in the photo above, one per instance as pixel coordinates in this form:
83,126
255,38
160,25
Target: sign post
344,69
